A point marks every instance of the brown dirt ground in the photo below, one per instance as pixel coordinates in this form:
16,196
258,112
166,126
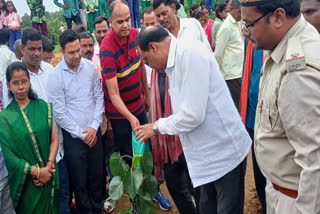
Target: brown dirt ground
252,204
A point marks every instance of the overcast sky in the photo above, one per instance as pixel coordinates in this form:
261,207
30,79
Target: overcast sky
22,7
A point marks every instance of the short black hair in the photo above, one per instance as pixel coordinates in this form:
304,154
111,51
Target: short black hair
157,3
292,8
114,4
47,44
30,34
198,13
9,73
4,36
193,7
68,36
85,35
99,20
220,7
151,34
79,28
147,10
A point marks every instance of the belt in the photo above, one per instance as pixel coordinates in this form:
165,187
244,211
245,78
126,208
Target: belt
288,192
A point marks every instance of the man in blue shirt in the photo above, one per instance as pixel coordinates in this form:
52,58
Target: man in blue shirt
76,94
71,11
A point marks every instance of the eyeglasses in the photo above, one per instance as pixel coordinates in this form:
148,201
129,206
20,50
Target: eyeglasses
245,27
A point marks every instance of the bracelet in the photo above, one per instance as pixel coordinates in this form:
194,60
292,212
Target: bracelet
50,165
51,161
38,172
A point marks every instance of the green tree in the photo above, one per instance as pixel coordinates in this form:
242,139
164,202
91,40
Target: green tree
26,20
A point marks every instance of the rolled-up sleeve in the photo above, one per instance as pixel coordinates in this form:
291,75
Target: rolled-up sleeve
57,97
299,107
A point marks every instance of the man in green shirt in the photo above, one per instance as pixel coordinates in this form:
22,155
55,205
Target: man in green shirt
71,11
38,16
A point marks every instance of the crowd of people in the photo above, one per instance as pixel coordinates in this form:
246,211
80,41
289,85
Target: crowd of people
199,92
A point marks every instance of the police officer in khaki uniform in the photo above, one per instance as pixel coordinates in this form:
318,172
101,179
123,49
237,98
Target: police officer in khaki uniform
287,127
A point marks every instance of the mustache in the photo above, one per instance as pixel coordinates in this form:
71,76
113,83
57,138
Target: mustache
88,52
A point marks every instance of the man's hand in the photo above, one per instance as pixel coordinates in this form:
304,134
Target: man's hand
90,10
94,142
134,122
65,6
90,137
145,132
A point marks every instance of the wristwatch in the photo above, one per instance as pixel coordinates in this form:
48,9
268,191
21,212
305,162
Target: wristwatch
155,127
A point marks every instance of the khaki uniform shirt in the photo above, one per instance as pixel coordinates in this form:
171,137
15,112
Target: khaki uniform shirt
287,129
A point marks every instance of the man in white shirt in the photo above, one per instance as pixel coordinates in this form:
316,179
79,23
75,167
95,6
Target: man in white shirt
185,28
32,50
101,29
167,159
230,51
214,139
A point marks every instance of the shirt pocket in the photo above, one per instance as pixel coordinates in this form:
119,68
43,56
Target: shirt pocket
269,118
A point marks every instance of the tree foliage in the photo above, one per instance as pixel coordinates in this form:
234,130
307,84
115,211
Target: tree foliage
54,20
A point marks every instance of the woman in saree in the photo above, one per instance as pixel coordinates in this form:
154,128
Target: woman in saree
29,142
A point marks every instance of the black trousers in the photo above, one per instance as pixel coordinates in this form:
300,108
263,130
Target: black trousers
225,195
179,185
235,91
75,18
122,135
259,179
86,167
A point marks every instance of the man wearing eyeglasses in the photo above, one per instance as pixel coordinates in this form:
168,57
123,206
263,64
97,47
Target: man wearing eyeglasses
287,131
230,51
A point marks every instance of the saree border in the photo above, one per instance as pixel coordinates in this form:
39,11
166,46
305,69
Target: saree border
50,122
49,116
32,137
25,171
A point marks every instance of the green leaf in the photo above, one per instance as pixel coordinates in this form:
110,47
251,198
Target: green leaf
146,164
116,188
144,207
136,160
132,181
118,166
149,188
127,211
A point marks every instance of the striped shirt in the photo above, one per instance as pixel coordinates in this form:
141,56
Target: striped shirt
122,60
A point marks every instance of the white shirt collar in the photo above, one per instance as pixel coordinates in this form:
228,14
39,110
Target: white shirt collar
231,18
40,71
172,52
